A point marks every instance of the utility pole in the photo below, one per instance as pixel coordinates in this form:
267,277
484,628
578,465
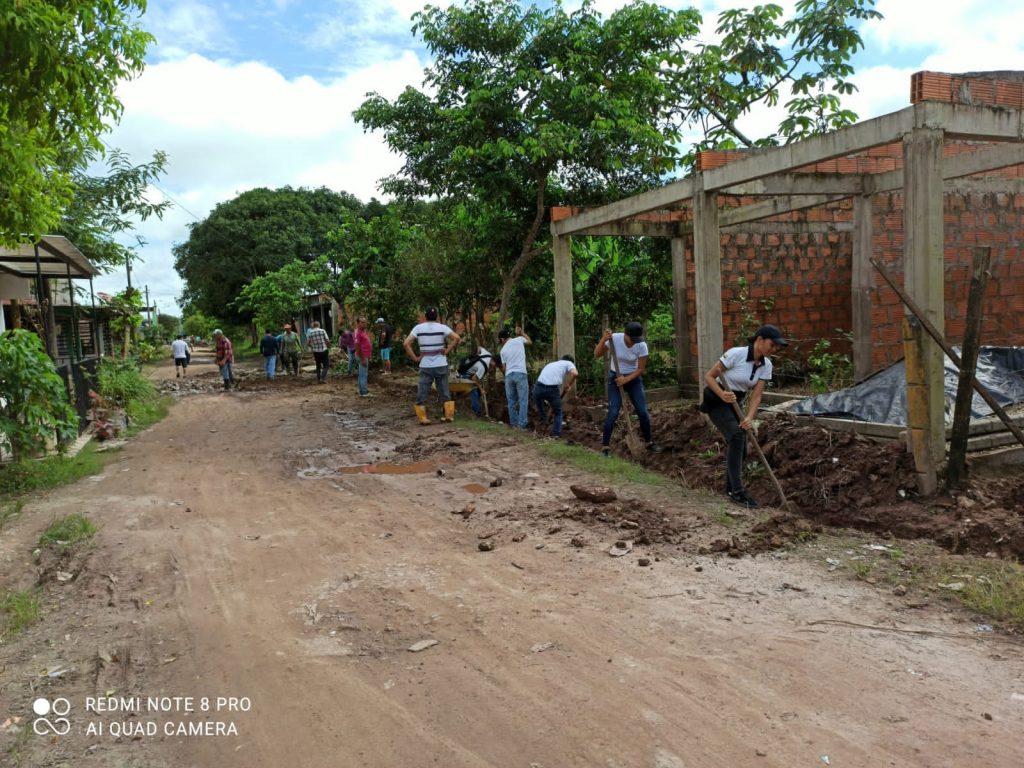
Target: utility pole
128,267
149,314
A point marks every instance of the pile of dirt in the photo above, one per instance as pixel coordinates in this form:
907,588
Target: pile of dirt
832,478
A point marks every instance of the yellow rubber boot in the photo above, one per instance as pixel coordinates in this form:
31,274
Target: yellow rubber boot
449,411
421,414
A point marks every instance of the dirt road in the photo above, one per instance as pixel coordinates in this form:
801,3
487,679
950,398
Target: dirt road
246,551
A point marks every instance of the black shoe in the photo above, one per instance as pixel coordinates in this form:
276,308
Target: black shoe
606,452
743,499
653,447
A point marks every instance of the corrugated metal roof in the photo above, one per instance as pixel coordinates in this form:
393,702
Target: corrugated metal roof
56,255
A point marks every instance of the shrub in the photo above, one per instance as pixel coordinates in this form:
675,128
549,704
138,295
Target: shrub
121,382
22,610
34,406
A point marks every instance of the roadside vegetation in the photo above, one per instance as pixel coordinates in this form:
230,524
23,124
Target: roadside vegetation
20,610
65,534
921,572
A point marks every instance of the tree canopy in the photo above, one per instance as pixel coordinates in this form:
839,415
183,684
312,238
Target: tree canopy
522,99
59,71
257,232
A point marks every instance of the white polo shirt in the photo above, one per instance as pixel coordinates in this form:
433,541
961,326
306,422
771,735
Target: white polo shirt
554,373
629,357
741,372
430,337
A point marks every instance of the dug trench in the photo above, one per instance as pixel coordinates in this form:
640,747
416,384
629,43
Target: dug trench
384,594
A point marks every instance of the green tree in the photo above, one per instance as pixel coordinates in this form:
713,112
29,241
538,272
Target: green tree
279,296
59,72
34,405
759,58
197,324
105,208
520,100
255,233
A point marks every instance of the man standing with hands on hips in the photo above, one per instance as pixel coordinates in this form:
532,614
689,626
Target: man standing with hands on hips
435,340
628,363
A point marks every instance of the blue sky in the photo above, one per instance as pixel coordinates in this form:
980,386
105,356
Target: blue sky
250,93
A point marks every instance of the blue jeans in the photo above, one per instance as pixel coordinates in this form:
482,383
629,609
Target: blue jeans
549,393
517,392
635,390
427,378
364,367
351,360
270,365
474,397
226,372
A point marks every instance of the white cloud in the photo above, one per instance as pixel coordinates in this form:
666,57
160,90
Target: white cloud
231,127
185,26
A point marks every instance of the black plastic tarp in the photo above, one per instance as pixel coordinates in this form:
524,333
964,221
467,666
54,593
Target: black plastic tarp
882,397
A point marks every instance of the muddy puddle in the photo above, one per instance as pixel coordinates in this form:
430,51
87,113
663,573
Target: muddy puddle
413,468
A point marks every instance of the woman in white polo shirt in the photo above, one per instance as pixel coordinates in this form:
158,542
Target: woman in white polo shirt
744,370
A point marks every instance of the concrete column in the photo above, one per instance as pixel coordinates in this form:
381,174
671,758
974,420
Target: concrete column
707,257
681,321
862,283
565,332
924,262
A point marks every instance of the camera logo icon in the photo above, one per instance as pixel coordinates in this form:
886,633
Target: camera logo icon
52,717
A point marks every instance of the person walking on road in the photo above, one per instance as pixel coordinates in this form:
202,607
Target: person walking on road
435,341
517,384
744,371
318,341
630,350
289,345
179,351
555,380
364,350
384,335
269,349
224,357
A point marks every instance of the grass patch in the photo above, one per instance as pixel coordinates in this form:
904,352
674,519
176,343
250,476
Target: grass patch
613,468
10,510
145,413
66,533
38,475
21,610
992,589
723,518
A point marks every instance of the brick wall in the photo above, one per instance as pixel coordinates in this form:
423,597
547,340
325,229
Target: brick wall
801,280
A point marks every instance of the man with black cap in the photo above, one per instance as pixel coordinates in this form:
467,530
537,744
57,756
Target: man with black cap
631,353
512,359
435,340
744,370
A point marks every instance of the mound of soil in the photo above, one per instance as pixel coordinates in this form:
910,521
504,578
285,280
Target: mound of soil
832,478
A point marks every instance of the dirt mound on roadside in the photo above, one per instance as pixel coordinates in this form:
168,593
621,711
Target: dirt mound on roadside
832,478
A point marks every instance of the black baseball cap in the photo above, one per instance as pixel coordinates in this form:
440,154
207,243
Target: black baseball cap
430,313
770,332
635,331
504,333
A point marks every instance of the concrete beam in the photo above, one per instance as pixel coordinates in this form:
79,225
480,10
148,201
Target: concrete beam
862,285
845,141
636,229
799,184
773,207
956,167
655,199
971,121
707,256
680,318
565,331
923,279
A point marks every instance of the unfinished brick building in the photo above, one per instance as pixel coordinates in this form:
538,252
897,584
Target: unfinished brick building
917,191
